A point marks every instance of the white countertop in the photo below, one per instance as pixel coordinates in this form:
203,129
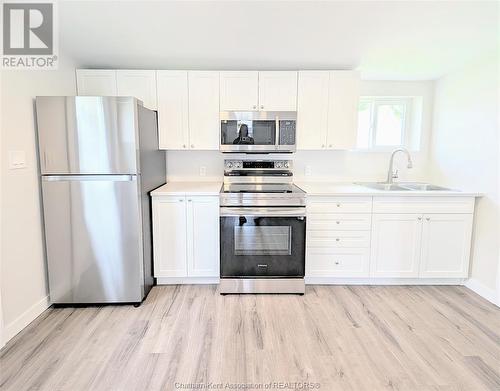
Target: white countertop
351,189
188,188
311,189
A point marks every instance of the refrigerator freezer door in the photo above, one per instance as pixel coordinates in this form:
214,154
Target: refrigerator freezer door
87,135
94,238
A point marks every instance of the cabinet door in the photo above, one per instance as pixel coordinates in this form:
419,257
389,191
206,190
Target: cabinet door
138,83
204,110
395,247
343,109
239,90
312,109
278,91
169,237
173,120
446,240
203,236
96,82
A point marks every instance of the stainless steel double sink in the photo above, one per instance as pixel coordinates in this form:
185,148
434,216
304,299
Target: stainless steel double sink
402,186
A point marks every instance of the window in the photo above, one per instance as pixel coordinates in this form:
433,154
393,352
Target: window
384,122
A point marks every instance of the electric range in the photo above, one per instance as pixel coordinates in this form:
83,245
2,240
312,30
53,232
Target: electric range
262,228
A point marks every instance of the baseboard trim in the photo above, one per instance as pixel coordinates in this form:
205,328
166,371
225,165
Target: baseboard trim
482,290
327,281
186,280
28,316
383,281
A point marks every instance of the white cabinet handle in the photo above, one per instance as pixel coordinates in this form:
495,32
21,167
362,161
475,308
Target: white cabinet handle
428,218
254,106
419,218
261,106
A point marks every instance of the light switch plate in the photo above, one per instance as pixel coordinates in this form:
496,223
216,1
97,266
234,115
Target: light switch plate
17,160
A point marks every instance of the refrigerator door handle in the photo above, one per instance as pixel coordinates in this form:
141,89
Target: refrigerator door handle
79,178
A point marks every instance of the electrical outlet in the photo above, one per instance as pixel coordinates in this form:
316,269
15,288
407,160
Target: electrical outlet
308,171
203,171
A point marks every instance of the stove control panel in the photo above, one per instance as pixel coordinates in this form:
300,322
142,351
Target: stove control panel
257,164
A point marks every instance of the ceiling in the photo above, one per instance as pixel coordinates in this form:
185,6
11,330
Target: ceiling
412,40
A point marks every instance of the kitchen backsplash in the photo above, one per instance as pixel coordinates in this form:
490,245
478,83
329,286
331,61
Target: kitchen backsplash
310,166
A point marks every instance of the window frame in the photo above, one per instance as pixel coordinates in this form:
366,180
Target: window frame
375,102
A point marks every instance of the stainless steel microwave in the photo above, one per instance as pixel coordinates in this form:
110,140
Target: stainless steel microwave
258,131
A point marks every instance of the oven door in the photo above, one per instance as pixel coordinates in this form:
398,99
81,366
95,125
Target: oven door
262,242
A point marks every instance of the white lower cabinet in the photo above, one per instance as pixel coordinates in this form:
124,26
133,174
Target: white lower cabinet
338,262
421,245
338,236
346,239
186,236
170,236
395,248
446,242
203,236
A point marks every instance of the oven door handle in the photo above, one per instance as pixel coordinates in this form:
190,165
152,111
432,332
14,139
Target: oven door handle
266,212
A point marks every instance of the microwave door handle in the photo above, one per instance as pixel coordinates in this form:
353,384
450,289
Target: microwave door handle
277,132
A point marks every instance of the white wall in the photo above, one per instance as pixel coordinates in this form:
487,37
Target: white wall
329,165
23,274
465,155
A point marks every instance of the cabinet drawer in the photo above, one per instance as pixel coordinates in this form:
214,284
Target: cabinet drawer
337,263
321,205
338,239
426,204
339,221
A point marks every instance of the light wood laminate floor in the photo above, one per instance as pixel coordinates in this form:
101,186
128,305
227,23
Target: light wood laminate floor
342,337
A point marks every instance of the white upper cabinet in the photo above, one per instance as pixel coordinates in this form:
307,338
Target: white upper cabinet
239,90
138,83
343,109
173,113
203,110
278,91
96,82
395,245
446,240
312,109
327,109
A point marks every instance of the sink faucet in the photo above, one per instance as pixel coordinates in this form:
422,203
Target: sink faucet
391,174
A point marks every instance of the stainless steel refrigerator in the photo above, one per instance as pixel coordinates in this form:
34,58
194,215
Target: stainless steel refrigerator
99,160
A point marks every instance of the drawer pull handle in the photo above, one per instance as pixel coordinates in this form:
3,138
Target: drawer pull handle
419,218
428,218
338,222
337,239
338,205
337,262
